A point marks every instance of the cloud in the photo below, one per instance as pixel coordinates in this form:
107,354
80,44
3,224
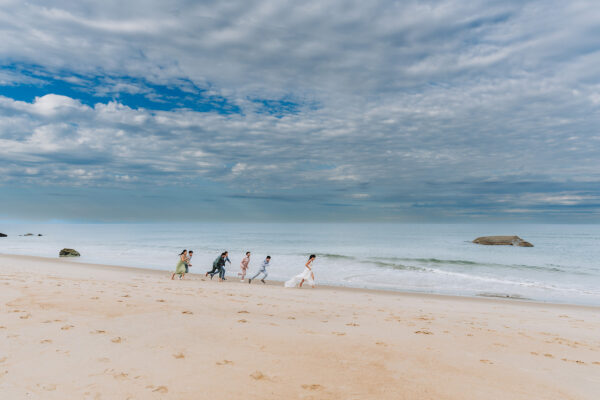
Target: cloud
52,105
446,108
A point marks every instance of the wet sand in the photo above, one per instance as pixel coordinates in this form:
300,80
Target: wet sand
84,331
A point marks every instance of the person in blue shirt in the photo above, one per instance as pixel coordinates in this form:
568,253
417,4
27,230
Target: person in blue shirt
263,270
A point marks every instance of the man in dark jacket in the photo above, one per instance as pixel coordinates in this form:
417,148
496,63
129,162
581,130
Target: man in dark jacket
218,267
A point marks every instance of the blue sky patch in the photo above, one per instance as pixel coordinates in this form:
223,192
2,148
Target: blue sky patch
132,92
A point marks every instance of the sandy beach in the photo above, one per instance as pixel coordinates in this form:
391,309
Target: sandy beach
84,331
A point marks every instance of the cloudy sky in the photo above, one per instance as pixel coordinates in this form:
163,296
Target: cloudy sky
448,110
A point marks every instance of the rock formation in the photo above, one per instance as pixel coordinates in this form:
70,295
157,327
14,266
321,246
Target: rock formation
68,253
502,241
3,235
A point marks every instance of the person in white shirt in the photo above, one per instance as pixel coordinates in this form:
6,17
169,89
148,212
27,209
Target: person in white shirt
188,262
244,266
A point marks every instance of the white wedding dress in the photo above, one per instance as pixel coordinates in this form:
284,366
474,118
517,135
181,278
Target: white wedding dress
306,275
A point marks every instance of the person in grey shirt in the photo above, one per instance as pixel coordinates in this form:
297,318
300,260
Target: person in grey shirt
263,270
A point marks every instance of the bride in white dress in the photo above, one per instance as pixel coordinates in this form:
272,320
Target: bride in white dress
306,276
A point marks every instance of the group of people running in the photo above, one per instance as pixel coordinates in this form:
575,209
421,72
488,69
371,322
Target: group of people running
218,268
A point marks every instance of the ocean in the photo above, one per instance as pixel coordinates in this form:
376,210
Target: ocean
563,267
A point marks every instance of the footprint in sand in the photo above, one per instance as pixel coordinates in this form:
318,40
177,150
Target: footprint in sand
26,316
224,362
338,333
548,355
3,359
257,375
46,341
243,312
121,376
242,321
596,362
160,300
314,386
352,324
423,332
381,344
94,298
104,359
66,327
126,295
486,361
187,312
2,327
161,389
574,361
48,387
97,332
179,355
291,317
117,339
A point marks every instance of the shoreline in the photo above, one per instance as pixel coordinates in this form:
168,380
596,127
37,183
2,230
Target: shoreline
233,279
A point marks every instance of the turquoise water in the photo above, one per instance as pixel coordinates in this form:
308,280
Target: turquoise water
563,266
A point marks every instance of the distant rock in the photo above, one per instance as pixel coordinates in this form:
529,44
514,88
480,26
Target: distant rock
68,253
39,234
502,241
28,234
3,235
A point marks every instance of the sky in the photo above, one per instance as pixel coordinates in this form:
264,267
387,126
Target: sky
274,110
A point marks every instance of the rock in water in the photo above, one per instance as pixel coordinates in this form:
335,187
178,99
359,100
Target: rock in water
28,234
68,253
3,235
502,241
